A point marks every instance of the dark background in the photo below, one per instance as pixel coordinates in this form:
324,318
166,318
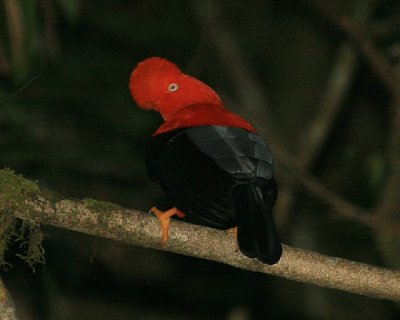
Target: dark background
68,121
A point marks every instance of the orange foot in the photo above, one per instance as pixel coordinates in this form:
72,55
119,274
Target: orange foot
165,217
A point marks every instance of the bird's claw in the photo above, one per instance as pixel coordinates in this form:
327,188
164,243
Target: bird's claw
164,218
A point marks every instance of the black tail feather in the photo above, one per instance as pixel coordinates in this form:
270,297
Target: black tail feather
257,235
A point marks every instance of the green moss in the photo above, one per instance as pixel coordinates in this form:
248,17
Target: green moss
100,206
34,250
14,190
103,208
7,227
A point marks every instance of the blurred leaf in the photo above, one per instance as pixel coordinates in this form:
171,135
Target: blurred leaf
32,27
376,167
16,30
69,9
389,246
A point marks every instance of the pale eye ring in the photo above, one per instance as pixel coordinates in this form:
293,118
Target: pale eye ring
173,87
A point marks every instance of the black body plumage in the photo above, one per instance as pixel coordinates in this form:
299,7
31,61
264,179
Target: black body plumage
220,177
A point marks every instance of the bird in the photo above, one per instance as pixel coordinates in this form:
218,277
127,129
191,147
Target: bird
210,162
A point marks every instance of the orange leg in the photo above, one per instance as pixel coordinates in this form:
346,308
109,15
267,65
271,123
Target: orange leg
165,217
234,231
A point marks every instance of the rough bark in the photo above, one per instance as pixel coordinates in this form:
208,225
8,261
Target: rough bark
29,202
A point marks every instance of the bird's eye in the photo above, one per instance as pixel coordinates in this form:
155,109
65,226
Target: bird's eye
173,87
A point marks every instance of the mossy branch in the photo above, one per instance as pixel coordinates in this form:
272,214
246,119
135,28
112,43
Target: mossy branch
27,201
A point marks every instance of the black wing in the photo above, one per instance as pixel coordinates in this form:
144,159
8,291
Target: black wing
198,167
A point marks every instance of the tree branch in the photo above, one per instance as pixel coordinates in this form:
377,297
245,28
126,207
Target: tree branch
7,308
337,203
337,85
103,219
235,62
389,204
382,68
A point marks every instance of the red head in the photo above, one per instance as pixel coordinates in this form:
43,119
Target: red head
158,84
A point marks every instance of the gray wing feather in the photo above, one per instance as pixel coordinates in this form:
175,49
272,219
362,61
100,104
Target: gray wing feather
242,154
